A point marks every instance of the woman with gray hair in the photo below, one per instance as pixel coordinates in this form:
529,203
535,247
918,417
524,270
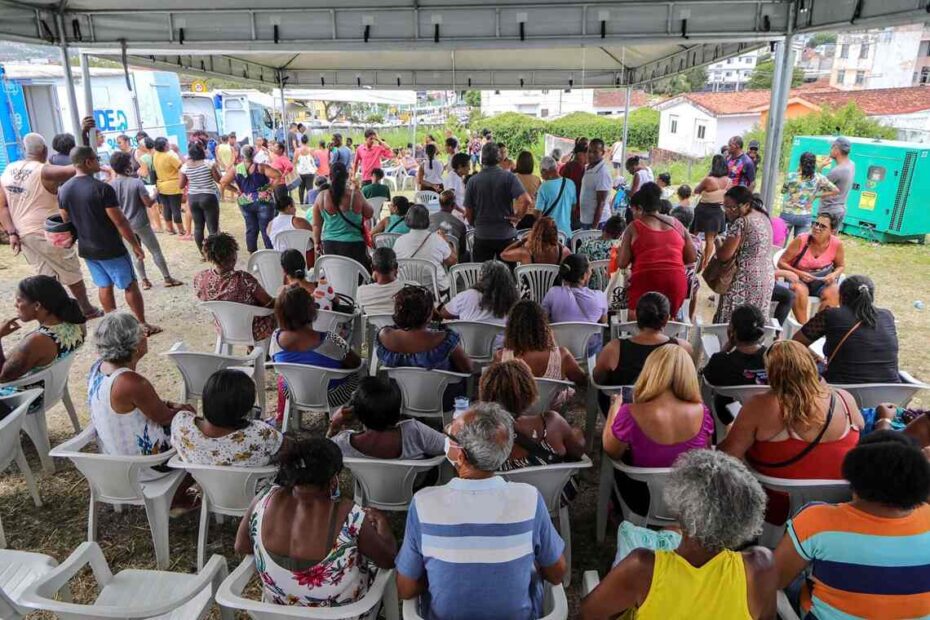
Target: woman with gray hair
719,506
426,245
129,416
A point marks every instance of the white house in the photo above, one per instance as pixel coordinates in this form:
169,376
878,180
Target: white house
890,57
557,102
698,124
733,73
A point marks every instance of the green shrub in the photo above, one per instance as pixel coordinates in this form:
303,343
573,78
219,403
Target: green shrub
644,128
586,124
518,131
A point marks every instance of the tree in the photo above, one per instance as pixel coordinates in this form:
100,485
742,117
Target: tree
689,81
473,98
764,73
821,38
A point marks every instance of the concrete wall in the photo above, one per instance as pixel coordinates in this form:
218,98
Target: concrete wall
911,127
538,103
889,62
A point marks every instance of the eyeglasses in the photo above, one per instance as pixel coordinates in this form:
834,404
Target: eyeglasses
818,225
454,439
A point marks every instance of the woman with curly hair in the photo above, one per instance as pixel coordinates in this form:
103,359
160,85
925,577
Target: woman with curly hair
489,300
541,246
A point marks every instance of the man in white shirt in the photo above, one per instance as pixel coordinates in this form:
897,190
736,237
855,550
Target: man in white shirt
595,188
421,243
454,180
378,298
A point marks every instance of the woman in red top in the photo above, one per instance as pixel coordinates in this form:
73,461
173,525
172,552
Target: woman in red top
658,247
800,429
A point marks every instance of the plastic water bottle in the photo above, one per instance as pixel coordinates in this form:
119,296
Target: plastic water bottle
919,304
461,406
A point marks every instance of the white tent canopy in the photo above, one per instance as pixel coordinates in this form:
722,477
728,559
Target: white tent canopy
425,44
388,97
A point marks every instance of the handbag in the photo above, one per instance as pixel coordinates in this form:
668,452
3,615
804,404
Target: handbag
719,274
292,180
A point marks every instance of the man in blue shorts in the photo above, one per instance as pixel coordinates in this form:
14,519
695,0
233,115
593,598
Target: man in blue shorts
100,228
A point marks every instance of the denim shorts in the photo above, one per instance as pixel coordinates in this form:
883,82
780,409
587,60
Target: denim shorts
112,271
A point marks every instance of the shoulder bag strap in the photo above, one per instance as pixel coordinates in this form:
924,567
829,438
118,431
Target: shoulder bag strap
797,259
556,201
843,341
807,449
420,247
343,215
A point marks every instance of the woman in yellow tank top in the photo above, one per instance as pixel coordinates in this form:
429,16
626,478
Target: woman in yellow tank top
720,507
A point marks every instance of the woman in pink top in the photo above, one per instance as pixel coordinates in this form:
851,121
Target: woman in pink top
666,418
814,262
322,160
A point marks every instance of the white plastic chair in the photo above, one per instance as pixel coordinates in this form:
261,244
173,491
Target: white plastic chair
227,491
421,271
549,480
297,239
874,394
265,265
197,366
592,409
654,477
673,329
800,492
131,593
470,241
575,336
580,236
18,570
427,198
235,323
332,321
422,390
390,176
381,593
308,389
385,239
555,605
739,393
600,275
477,338
54,380
125,480
713,338
387,484
539,279
467,273
377,202
373,323
342,273
547,389
10,447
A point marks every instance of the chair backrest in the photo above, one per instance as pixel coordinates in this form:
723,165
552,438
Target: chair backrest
297,239
655,478
422,389
387,484
574,336
463,276
332,321
600,275
673,329
235,320
549,480
196,367
741,393
470,240
309,385
377,203
342,273
580,236
265,265
555,604
714,337
547,389
477,338
423,272
12,423
426,198
777,256
874,394
523,233
385,239
801,492
54,378
229,489
539,279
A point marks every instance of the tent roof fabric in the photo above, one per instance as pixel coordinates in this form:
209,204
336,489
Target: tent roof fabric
426,44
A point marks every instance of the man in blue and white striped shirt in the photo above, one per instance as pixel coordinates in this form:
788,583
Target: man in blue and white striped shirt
477,547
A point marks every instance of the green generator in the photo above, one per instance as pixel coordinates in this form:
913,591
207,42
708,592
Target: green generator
885,203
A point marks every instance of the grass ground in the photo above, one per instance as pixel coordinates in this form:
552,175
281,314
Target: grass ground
901,274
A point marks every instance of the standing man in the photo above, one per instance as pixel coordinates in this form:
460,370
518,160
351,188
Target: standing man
28,196
841,175
339,153
225,157
555,197
742,170
490,207
93,208
452,147
574,171
595,188
369,155
293,139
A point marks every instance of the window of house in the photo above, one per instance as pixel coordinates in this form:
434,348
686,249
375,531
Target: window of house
701,131
925,75
864,50
860,78
544,112
840,77
844,50
545,92
673,125
729,61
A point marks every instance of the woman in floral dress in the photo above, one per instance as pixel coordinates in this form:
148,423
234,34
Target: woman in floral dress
312,548
749,238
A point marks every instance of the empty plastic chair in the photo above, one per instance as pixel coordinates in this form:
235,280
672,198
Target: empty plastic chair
377,202
131,593
18,571
196,367
342,273
575,336
308,389
422,391
387,484
381,592
54,381
235,323
555,605
655,478
421,271
385,239
297,239
463,276
538,278
125,480
427,198
265,265
10,447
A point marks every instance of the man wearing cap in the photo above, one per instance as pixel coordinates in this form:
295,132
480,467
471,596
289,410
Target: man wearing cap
753,153
28,196
841,175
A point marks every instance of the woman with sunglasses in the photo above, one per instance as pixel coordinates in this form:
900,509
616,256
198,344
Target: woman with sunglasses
815,261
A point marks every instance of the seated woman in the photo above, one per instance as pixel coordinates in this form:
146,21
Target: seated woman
541,438
529,338
489,300
815,261
60,332
311,548
421,243
378,297
541,246
719,506
295,270
396,221
225,435
223,282
861,339
573,300
742,360
800,429
297,342
128,415
602,247
412,342
285,219
881,533
376,404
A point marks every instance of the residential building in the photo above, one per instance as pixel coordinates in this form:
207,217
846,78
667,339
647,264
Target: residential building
892,57
733,73
698,124
817,62
554,103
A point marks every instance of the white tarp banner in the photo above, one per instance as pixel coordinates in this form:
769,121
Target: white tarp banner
565,145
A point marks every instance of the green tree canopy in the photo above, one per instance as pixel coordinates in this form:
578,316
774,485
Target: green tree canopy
764,73
473,98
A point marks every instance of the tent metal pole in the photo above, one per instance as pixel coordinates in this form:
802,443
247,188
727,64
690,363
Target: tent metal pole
626,122
766,171
288,148
88,98
69,77
777,112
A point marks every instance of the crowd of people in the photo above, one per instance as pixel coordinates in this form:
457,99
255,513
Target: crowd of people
479,546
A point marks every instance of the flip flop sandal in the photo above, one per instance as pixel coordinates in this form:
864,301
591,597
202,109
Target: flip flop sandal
151,330
96,314
146,284
171,283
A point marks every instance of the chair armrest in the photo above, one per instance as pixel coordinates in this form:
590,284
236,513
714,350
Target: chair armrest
559,609
785,610
75,444
410,609
235,583
589,581
908,378
39,594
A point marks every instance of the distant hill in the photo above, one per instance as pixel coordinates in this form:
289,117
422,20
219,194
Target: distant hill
11,51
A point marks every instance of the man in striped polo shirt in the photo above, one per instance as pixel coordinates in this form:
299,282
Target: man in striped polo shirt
473,547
